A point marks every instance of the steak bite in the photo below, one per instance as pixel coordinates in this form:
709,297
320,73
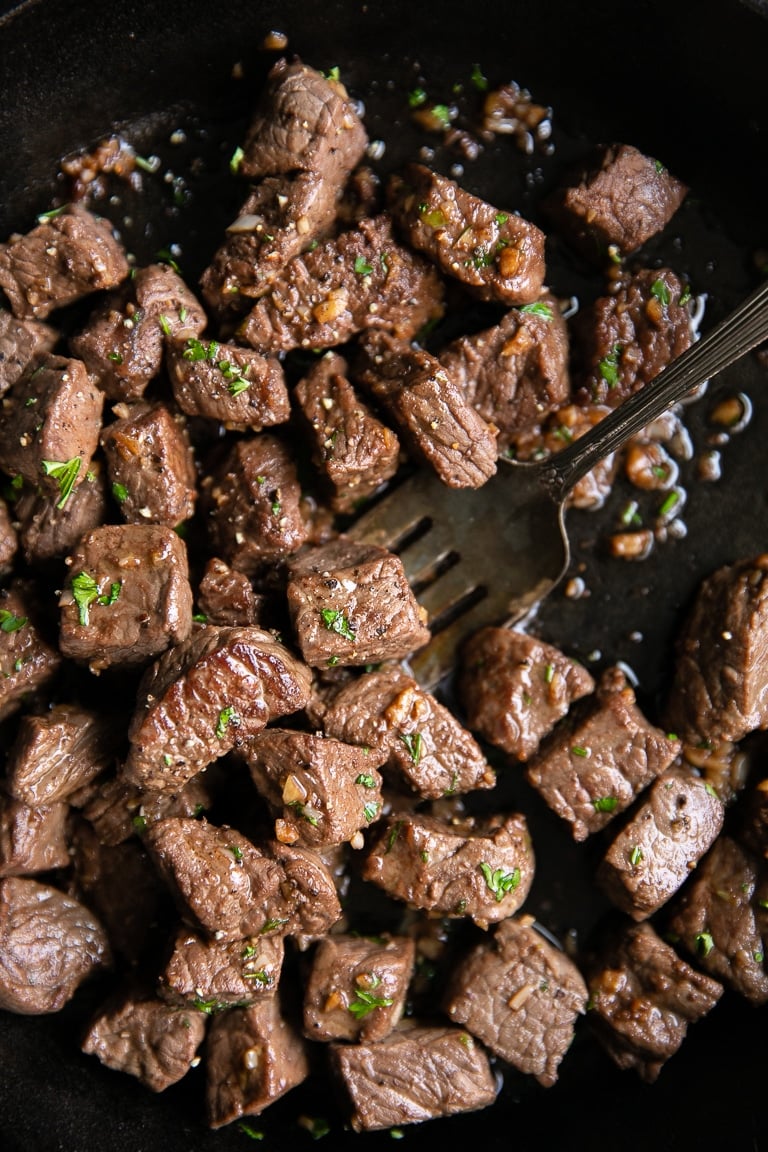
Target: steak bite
122,343
430,410
253,507
720,685
354,452
598,760
128,597
145,1037
32,839
322,791
620,198
357,987
720,918
515,688
361,279
205,697
655,852
49,944
50,532
70,254
350,603
212,975
253,1057
58,752
642,997
27,661
227,597
232,889
23,343
150,463
520,996
417,740
416,1073
50,427
515,373
625,339
484,872
224,382
117,810
496,255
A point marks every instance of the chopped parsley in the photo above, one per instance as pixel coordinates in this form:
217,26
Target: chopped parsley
227,716
317,1126
412,741
51,214
478,79
609,366
685,295
65,472
442,114
538,308
272,924
549,673
85,591
115,357
252,1133
630,514
10,622
604,803
366,780
670,501
499,881
432,216
579,750
236,160
236,851
120,492
704,943
660,290
305,812
140,824
393,835
333,73
636,855
213,1005
370,811
365,1002
417,97
337,622
165,325
362,267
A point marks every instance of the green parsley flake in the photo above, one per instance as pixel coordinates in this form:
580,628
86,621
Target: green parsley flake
609,366
140,824
660,290
669,503
393,835
236,160
579,750
442,114
333,74
704,943
417,97
65,473
236,851
604,803
370,811
478,79
252,1133
272,924
115,357
337,622
317,1126
412,741
432,216
499,881
165,324
85,592
120,492
636,855
9,622
538,308
549,673
227,716
362,267
366,780
365,1002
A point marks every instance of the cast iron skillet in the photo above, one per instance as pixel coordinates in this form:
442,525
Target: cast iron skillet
683,81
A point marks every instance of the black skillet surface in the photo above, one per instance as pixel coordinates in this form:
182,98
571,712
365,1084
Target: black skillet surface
684,82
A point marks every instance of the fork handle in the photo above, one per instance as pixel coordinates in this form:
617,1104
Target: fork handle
732,338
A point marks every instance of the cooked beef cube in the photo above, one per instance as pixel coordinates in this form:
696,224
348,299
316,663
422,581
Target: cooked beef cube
49,944
720,685
430,410
484,872
233,889
237,386
353,450
253,1057
496,255
350,603
253,505
32,839
27,661
118,810
50,426
560,428
356,988
128,597
323,791
409,732
122,343
213,975
56,753
515,373
67,256
282,217
49,532
9,543
305,122
654,853
720,918
620,198
642,997
145,1037
521,996
515,688
627,338
23,343
150,463
596,762
226,596
416,1073
361,279
122,886
206,696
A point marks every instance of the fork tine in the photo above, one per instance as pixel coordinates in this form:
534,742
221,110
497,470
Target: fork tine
447,591
395,516
422,556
